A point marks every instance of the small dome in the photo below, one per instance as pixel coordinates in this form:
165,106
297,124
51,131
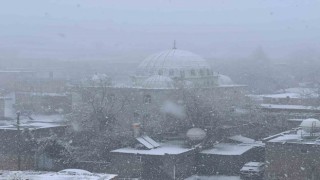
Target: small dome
158,82
310,125
196,134
174,63
224,80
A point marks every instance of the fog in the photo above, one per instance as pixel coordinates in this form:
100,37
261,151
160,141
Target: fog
103,30
160,89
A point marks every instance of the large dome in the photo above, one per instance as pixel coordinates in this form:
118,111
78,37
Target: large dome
174,63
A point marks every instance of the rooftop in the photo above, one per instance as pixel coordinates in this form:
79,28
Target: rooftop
37,122
38,175
170,147
240,138
231,148
289,107
295,136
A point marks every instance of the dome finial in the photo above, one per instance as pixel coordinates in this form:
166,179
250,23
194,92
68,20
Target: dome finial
174,44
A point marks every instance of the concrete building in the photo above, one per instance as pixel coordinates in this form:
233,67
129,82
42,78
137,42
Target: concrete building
43,103
228,158
294,154
172,160
14,142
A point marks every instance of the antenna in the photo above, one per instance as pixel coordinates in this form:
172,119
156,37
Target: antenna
174,44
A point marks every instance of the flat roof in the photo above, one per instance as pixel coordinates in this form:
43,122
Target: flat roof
289,107
38,122
295,136
231,149
242,139
38,175
170,147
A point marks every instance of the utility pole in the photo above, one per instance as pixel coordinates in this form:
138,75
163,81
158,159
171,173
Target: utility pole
19,140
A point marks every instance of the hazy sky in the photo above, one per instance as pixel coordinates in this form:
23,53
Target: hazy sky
102,28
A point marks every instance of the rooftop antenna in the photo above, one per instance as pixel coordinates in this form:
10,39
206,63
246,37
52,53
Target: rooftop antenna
174,44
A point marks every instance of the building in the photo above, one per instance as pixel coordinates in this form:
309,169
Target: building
165,86
228,158
294,154
43,103
171,160
22,142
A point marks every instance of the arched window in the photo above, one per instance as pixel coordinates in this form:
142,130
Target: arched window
147,99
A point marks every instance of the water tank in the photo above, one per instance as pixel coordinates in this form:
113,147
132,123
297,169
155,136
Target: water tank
196,134
310,125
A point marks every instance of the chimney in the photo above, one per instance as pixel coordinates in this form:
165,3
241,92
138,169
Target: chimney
136,129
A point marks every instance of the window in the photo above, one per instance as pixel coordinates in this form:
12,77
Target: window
139,158
147,99
160,72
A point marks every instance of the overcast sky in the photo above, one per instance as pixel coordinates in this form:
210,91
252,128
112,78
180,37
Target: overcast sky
211,28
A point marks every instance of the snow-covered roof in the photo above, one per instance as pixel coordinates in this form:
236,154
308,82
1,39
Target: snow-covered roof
298,92
296,137
241,139
39,175
289,107
282,95
158,82
224,80
37,122
304,92
230,148
43,94
170,147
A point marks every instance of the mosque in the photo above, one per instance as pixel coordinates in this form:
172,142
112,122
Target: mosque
164,89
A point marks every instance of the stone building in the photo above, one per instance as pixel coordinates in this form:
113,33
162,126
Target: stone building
165,90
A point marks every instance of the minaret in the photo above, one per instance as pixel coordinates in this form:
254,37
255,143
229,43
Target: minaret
174,44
